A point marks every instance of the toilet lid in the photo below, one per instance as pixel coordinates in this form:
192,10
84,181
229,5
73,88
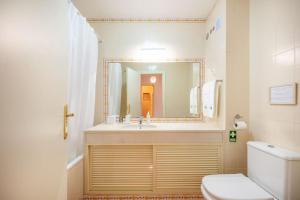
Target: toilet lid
234,187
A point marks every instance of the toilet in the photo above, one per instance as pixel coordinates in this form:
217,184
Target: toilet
273,173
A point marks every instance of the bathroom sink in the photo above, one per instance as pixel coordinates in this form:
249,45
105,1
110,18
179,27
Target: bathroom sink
136,126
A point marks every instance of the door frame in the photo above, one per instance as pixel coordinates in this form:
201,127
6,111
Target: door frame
151,97
163,76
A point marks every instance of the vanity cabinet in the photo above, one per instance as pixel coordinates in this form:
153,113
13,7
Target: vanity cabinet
150,168
114,168
171,158
181,167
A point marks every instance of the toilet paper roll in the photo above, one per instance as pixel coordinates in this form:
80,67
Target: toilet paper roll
240,125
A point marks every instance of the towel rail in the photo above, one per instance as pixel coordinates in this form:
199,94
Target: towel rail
216,81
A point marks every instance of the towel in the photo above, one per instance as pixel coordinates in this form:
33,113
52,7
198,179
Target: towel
194,101
209,99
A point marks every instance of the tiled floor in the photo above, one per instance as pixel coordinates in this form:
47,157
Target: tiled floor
148,197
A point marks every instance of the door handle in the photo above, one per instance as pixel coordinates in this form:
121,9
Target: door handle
66,116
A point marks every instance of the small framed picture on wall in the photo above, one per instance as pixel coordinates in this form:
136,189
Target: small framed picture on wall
283,94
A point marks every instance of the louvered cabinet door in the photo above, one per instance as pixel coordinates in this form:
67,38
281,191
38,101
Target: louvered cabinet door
120,168
181,167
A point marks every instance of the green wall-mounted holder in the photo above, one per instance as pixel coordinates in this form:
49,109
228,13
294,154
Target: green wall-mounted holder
232,135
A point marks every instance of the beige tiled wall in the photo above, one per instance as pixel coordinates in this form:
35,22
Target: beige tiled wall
274,60
237,82
227,58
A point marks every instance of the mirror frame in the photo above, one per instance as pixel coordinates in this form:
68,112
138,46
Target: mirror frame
162,119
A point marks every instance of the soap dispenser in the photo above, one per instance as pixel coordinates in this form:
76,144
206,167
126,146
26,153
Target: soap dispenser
148,118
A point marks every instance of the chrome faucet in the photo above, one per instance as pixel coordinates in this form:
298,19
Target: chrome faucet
140,122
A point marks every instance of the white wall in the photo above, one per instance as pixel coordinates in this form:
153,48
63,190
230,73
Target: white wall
215,53
125,40
274,60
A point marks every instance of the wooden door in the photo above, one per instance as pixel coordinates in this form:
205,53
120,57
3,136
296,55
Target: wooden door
147,99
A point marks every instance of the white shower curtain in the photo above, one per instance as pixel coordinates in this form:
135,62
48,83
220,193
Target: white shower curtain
83,60
114,88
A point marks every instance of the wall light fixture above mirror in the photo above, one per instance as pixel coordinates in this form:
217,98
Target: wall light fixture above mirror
168,90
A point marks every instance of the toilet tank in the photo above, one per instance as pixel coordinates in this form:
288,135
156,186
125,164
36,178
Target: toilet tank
275,169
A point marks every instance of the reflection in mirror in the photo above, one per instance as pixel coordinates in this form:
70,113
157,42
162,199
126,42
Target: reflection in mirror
165,90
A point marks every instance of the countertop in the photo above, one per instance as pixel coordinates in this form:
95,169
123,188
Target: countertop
157,127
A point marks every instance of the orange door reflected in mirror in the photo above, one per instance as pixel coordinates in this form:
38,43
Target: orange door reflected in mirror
147,99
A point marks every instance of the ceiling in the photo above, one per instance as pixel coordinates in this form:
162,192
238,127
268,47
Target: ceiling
145,9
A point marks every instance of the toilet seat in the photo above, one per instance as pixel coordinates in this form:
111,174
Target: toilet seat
232,187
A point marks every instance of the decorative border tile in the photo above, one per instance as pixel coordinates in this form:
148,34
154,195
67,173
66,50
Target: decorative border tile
144,197
146,20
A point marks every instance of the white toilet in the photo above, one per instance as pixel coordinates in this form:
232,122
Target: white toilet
273,173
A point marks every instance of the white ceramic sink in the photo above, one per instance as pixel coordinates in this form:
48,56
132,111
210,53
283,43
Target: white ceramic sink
136,126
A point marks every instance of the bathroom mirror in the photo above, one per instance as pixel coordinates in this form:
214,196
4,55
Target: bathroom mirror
167,90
